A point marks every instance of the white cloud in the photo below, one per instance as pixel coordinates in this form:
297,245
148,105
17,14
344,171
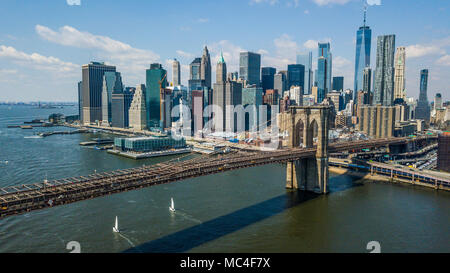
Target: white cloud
185,54
444,60
415,51
202,20
36,60
330,2
311,44
8,71
373,2
271,2
129,60
74,2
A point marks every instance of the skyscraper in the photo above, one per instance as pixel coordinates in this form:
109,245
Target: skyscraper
138,109
362,58
267,77
367,80
205,68
250,67
226,93
120,106
423,107
325,51
306,60
322,81
384,72
399,73
80,100
92,86
296,76
176,73
279,82
338,84
156,80
221,70
112,83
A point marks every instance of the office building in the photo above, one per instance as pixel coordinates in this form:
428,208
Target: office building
112,83
279,82
423,107
377,121
92,87
267,77
296,94
399,74
156,81
205,68
384,72
176,73
138,110
120,107
336,98
296,76
306,60
250,67
443,154
325,52
221,70
362,58
338,84
80,101
367,80
252,98
322,81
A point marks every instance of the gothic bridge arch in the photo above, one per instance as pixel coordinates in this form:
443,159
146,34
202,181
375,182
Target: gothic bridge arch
304,124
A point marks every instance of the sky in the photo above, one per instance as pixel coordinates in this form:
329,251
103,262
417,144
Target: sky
43,43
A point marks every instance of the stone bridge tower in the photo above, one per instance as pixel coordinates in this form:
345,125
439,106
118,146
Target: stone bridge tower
305,124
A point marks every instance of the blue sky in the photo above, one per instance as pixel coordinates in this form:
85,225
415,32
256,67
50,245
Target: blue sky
43,43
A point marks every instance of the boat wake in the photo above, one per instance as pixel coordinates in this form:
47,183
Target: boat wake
187,216
127,239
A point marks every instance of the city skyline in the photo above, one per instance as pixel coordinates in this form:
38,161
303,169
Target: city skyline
60,46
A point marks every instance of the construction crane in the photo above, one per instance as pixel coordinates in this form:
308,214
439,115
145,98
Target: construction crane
161,101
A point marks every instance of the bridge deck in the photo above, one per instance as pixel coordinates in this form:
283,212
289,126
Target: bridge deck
25,198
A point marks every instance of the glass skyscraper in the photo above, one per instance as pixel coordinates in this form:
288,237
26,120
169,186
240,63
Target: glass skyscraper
267,77
362,58
250,67
306,60
296,76
384,72
338,83
325,51
154,80
322,81
423,107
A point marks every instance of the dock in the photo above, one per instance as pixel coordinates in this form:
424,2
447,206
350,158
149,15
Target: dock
137,156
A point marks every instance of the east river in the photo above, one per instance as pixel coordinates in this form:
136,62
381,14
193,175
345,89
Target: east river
246,210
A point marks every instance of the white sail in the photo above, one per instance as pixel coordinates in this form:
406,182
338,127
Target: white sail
116,226
172,205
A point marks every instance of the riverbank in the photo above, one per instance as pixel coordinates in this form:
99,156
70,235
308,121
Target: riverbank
376,178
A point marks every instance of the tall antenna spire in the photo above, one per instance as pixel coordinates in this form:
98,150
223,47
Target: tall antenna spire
365,11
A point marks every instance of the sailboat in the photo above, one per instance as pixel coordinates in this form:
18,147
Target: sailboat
172,205
116,226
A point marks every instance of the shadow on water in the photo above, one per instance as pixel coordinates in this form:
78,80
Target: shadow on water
192,237
208,231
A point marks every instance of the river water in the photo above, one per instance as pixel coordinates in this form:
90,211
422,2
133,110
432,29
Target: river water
246,210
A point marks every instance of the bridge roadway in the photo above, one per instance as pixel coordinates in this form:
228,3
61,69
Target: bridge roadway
25,198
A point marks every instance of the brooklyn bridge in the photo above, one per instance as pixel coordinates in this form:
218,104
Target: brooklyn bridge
307,167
